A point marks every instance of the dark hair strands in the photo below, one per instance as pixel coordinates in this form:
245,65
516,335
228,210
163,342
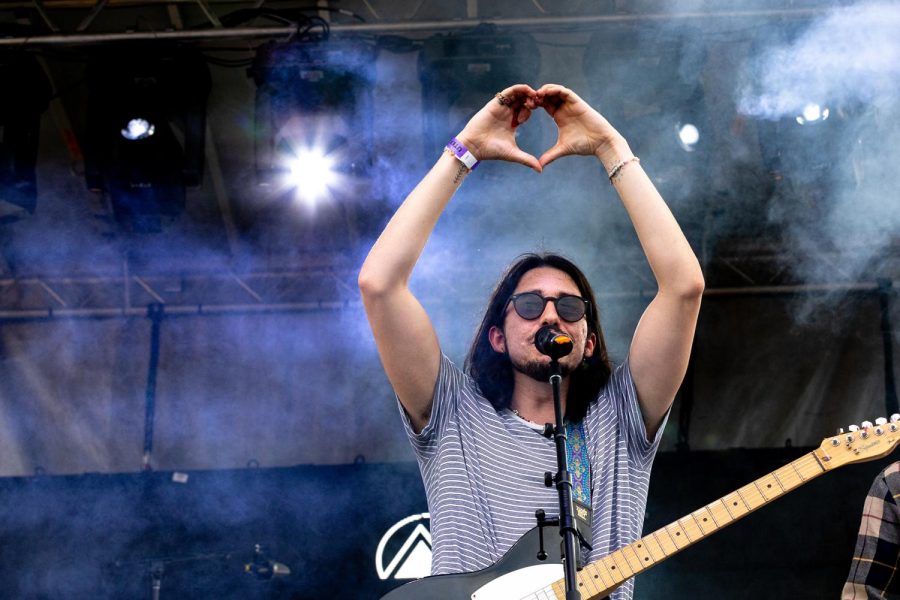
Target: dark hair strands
493,372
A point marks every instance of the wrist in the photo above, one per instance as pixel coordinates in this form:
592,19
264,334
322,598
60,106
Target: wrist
469,142
461,151
613,151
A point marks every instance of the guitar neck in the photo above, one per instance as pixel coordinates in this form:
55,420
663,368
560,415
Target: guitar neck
600,578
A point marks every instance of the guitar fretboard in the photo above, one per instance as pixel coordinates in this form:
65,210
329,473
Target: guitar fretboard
600,578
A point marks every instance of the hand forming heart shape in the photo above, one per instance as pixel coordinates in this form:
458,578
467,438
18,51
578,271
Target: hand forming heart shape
490,134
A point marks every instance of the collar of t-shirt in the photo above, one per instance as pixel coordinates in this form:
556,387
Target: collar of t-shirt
577,454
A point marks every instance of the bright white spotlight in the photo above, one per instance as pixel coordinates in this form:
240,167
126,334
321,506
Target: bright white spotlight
812,113
312,175
688,135
138,129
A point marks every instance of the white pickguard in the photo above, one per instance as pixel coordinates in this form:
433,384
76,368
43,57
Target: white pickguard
522,583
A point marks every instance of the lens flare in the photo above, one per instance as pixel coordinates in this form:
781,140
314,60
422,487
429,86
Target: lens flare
138,129
312,175
812,113
688,136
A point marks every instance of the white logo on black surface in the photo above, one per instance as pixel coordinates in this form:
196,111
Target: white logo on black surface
413,559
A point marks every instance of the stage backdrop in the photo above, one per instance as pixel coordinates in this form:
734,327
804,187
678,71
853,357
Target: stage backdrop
357,531
307,388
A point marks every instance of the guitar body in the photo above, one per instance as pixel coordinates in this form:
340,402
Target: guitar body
518,568
519,575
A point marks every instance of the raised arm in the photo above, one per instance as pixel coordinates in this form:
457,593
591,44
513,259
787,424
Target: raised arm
662,341
405,337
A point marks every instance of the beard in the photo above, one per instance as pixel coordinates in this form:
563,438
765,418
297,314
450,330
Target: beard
539,371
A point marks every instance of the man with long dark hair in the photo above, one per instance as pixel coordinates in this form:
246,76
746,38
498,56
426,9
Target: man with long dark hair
476,433
493,371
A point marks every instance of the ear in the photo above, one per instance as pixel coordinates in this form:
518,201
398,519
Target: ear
497,339
589,345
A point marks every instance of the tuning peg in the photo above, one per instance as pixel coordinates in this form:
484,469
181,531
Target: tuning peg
840,431
895,417
853,427
866,425
881,421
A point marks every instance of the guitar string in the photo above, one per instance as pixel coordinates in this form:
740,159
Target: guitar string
788,481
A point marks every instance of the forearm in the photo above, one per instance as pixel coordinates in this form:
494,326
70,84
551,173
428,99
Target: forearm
489,135
393,256
661,346
668,252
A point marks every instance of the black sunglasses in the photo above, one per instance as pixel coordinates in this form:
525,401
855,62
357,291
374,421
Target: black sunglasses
530,306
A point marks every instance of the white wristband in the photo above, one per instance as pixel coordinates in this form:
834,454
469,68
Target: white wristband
462,153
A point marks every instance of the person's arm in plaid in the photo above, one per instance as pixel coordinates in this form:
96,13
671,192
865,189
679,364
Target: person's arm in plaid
873,572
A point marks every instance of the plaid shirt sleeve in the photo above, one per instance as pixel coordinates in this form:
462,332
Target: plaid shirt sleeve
873,571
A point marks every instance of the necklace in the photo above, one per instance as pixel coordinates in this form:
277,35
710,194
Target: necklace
516,412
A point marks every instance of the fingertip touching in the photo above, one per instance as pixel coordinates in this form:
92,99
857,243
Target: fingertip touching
549,156
528,160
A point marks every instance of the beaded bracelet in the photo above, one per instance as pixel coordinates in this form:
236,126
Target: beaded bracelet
618,167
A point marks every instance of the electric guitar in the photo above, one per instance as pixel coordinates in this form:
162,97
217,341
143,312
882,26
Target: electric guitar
518,575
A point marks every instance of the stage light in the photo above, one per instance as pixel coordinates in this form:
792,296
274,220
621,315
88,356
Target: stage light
688,136
146,128
20,121
812,113
313,115
646,78
312,175
797,121
138,129
459,70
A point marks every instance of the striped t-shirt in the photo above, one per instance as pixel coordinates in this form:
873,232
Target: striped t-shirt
484,472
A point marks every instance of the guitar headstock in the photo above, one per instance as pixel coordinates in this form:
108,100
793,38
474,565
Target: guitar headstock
866,441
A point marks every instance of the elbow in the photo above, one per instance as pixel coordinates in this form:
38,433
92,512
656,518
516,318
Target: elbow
369,284
687,286
372,284
693,286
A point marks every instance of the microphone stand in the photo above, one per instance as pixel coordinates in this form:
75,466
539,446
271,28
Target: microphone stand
567,527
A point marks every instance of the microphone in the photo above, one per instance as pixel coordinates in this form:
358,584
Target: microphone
553,343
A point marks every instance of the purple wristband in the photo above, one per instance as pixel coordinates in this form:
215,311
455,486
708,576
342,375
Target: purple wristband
462,153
